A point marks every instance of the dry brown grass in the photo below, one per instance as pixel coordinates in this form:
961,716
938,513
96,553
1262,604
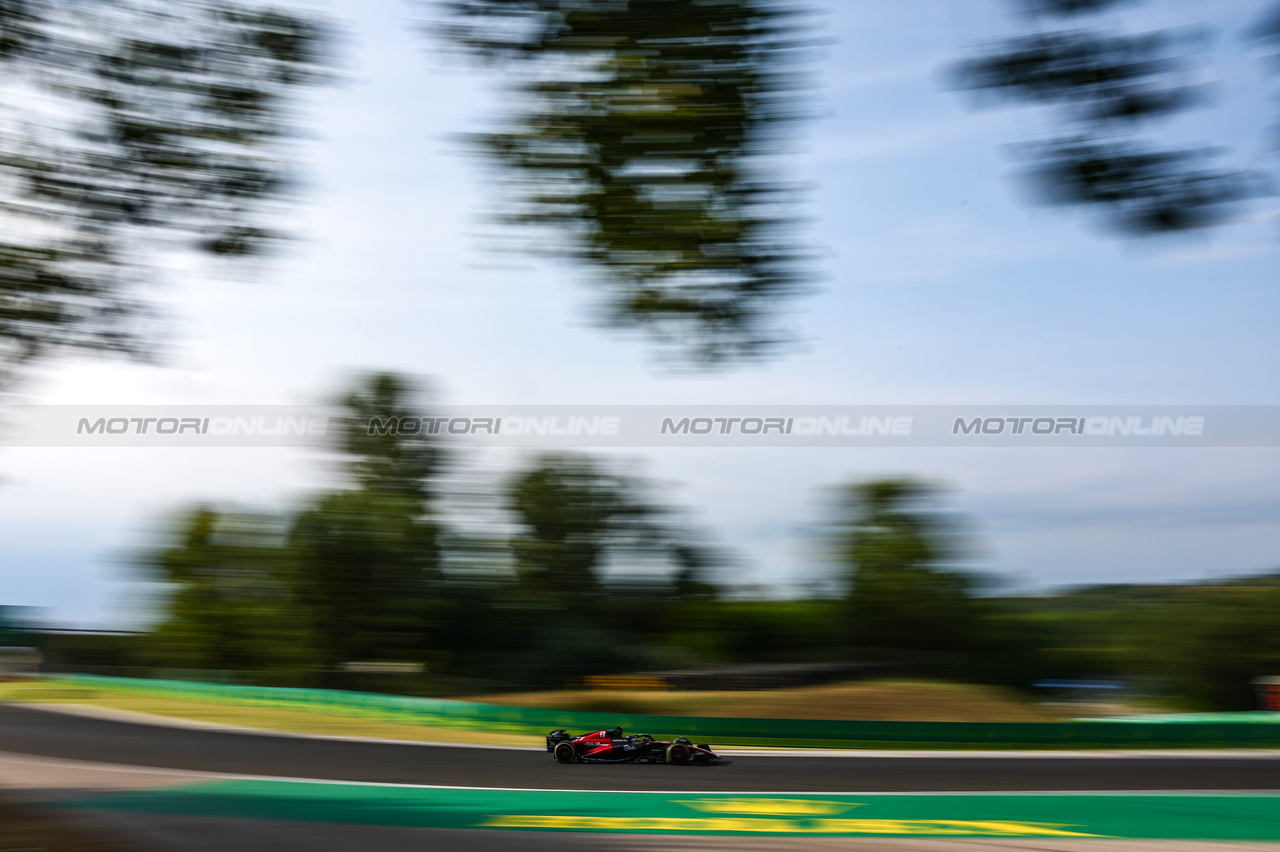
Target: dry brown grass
267,718
865,701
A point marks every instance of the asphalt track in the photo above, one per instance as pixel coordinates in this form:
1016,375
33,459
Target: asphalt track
33,732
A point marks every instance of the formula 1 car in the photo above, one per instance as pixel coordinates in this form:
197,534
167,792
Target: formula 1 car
610,746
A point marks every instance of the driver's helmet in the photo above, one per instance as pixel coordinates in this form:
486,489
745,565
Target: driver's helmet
616,733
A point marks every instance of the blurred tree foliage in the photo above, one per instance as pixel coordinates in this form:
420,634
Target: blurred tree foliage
599,566
896,546
1210,642
387,459
1108,87
573,567
641,132
365,562
365,569
592,568
129,128
573,516
230,605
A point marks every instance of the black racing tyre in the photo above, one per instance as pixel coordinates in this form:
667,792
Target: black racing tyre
565,752
678,754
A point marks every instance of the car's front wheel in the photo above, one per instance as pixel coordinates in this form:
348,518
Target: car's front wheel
678,754
565,753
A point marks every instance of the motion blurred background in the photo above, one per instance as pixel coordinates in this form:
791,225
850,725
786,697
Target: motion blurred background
391,207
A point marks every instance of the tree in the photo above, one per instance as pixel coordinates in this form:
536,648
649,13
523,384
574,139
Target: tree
1107,91
128,129
573,516
366,560
640,135
1206,644
230,605
364,566
576,518
895,547
352,576
381,455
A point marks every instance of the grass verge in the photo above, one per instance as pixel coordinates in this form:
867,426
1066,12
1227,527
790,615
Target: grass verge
866,701
886,701
889,700
248,716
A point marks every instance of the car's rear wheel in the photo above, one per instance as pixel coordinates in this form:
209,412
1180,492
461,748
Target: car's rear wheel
678,754
565,753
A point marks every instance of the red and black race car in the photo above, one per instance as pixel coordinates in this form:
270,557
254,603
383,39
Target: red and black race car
611,746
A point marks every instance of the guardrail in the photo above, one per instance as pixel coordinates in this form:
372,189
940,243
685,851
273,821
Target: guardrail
720,731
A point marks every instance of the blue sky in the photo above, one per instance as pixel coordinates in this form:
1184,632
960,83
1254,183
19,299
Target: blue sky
939,285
